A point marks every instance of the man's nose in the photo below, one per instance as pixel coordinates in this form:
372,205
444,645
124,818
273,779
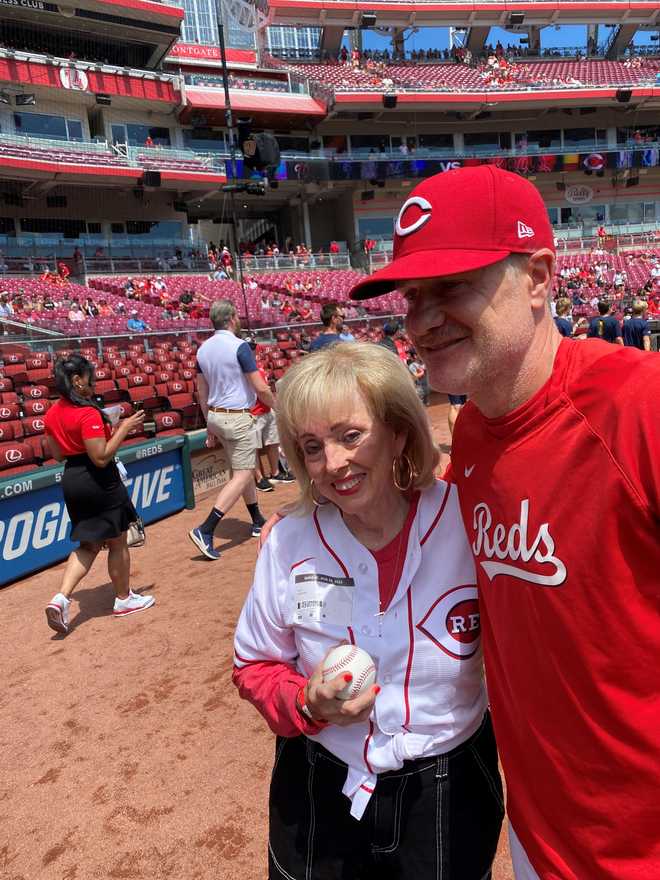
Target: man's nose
424,314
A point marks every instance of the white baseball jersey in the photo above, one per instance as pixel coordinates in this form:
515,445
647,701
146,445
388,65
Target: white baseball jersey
316,586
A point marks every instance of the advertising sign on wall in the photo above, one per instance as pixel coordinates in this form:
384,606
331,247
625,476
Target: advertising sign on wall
35,526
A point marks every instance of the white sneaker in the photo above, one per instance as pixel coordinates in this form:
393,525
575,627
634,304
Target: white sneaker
57,613
132,603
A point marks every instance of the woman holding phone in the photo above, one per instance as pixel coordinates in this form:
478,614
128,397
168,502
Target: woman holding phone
81,434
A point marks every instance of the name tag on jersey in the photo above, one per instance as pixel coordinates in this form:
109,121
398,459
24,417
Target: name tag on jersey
321,598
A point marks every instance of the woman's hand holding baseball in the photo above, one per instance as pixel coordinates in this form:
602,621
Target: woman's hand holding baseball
322,702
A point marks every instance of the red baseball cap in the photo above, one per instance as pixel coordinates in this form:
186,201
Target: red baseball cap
461,220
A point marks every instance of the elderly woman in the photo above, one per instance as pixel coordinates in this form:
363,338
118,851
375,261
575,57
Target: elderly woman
401,781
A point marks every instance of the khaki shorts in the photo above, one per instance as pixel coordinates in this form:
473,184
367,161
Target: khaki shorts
267,430
236,431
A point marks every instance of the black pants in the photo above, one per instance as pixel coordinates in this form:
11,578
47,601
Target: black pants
437,818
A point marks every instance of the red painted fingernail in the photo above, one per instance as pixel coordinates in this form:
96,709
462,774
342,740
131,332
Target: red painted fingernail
348,677
377,689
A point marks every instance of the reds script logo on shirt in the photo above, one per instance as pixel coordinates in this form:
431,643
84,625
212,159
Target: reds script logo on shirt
496,542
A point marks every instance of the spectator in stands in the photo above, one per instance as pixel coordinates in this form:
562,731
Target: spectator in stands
49,303
388,341
636,331
63,271
562,319
6,308
76,314
3,263
149,142
228,385
605,326
332,318
264,302
105,310
97,502
136,324
90,309
129,286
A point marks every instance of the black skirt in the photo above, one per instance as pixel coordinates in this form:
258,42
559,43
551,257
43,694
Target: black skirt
96,500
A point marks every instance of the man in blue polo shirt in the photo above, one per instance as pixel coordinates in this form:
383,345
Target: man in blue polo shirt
636,331
332,318
228,384
605,326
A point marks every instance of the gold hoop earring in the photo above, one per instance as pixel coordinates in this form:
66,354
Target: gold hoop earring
397,477
315,501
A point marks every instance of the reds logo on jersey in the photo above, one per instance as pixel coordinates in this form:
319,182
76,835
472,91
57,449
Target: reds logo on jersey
453,622
495,541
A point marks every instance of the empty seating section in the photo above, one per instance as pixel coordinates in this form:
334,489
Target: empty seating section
149,159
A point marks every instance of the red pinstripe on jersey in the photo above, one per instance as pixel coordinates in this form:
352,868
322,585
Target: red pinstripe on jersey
327,546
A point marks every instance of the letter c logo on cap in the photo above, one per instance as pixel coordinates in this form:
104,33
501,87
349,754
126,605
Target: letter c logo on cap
424,205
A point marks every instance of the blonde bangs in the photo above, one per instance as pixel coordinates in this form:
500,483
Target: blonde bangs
324,383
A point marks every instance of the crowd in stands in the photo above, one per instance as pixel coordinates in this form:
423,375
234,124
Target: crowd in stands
495,67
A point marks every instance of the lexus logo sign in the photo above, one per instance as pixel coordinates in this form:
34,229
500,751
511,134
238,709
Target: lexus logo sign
13,455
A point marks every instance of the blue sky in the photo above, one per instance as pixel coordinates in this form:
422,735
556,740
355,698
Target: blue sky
438,38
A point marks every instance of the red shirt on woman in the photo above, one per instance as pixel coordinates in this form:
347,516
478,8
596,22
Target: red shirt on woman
70,425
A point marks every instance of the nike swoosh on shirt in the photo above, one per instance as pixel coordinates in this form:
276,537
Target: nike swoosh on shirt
468,470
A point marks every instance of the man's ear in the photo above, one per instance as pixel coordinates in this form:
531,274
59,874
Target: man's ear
541,271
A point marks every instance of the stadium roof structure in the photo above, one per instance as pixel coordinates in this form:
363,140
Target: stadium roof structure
458,13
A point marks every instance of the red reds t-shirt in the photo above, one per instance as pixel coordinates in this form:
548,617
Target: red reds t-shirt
259,408
71,425
561,503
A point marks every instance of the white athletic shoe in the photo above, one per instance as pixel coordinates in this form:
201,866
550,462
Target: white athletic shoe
132,603
57,613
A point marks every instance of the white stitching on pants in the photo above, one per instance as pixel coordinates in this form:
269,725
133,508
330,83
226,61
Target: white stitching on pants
278,866
441,776
278,754
489,779
312,822
396,838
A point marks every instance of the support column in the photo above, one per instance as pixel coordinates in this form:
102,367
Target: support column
307,229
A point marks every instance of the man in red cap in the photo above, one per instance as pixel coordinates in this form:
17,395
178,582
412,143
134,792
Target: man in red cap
568,571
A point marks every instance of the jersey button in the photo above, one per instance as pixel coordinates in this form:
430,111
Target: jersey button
366,631
362,568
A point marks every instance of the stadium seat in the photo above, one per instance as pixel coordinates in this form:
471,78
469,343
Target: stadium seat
169,423
33,425
6,384
140,392
11,430
36,407
14,456
35,391
9,412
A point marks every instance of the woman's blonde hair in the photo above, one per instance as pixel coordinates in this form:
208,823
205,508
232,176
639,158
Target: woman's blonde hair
322,382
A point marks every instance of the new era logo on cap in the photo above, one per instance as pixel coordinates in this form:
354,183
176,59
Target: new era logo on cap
525,231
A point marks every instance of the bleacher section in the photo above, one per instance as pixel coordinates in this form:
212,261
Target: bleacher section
449,76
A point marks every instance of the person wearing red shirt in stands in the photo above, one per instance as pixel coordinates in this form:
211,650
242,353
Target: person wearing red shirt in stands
80,434
567,569
63,271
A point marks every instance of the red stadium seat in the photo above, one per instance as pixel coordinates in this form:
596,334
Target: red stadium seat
14,368
15,454
11,431
104,386
36,407
6,384
176,387
140,392
9,397
12,357
169,423
137,379
9,412
35,391
33,425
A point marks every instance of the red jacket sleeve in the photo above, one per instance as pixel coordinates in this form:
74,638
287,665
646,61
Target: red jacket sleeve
272,688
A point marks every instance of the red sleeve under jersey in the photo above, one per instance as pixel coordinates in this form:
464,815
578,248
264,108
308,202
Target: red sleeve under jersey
272,687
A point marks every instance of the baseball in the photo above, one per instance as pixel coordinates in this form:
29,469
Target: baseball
350,658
